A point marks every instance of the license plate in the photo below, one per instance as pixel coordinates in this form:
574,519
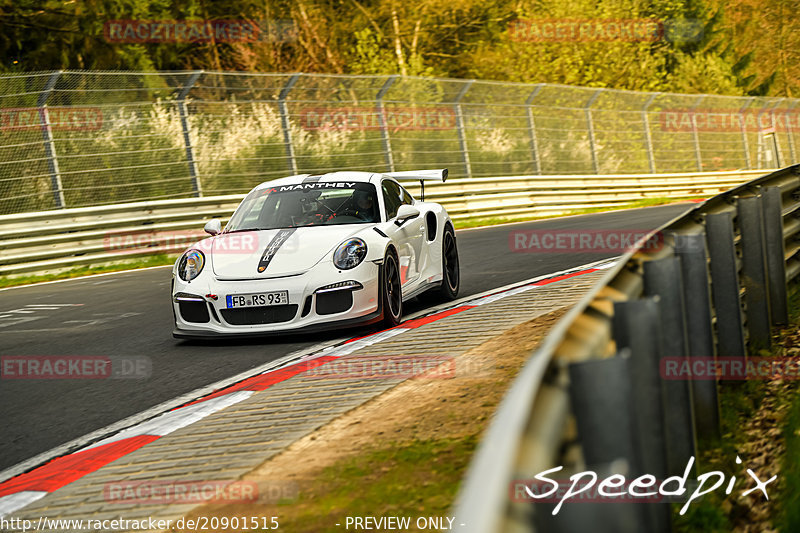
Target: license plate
259,299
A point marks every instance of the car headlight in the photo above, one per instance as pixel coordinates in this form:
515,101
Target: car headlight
349,254
191,265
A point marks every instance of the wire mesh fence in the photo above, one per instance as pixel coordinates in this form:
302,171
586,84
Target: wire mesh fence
79,138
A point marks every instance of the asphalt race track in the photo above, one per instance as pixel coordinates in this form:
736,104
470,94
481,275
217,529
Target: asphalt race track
128,315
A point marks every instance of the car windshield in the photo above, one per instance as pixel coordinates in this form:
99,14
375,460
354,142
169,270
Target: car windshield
306,204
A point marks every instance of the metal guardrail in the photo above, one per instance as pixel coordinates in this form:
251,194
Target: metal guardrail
591,396
48,240
82,138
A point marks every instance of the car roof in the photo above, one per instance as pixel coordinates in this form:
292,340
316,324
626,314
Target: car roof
350,176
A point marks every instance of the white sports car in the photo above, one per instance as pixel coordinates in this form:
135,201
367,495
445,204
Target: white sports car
318,252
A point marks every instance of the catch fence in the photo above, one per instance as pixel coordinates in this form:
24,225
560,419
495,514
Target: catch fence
85,138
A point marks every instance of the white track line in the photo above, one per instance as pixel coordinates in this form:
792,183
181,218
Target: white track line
18,500
174,420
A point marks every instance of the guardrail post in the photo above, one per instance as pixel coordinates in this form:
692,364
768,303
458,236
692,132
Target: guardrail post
743,127
696,136
462,136
754,272
387,146
725,285
49,142
636,325
651,160
663,278
773,247
699,329
537,164
590,129
187,139
287,132
600,392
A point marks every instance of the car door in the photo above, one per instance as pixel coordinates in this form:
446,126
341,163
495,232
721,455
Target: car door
409,237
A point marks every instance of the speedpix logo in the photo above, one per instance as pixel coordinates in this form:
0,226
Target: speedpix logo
617,487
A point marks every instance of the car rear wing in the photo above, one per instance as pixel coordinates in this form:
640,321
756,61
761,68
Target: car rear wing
440,174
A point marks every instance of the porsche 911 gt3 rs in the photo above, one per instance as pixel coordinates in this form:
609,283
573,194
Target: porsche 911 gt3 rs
314,252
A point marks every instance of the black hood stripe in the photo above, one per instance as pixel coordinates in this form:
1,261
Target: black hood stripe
272,248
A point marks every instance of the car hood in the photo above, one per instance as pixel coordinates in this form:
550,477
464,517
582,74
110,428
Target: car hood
275,253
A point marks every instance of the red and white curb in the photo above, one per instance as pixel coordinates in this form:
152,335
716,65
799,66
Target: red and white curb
26,488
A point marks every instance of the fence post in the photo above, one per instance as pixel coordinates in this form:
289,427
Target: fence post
662,278
699,328
647,135
743,127
725,285
287,132
187,139
590,129
537,164
790,133
696,136
49,142
754,272
778,155
387,146
773,249
462,137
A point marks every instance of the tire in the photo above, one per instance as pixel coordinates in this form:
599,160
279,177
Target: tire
451,274
391,291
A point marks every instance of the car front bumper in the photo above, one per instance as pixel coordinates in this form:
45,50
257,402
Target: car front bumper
200,306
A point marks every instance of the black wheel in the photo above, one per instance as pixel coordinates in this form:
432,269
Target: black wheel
451,280
391,291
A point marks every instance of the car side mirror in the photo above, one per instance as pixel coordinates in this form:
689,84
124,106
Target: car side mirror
405,213
213,227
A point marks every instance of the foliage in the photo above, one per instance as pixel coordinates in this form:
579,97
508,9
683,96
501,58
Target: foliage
704,47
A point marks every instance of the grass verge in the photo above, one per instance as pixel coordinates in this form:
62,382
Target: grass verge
149,261
760,422
645,202
408,479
